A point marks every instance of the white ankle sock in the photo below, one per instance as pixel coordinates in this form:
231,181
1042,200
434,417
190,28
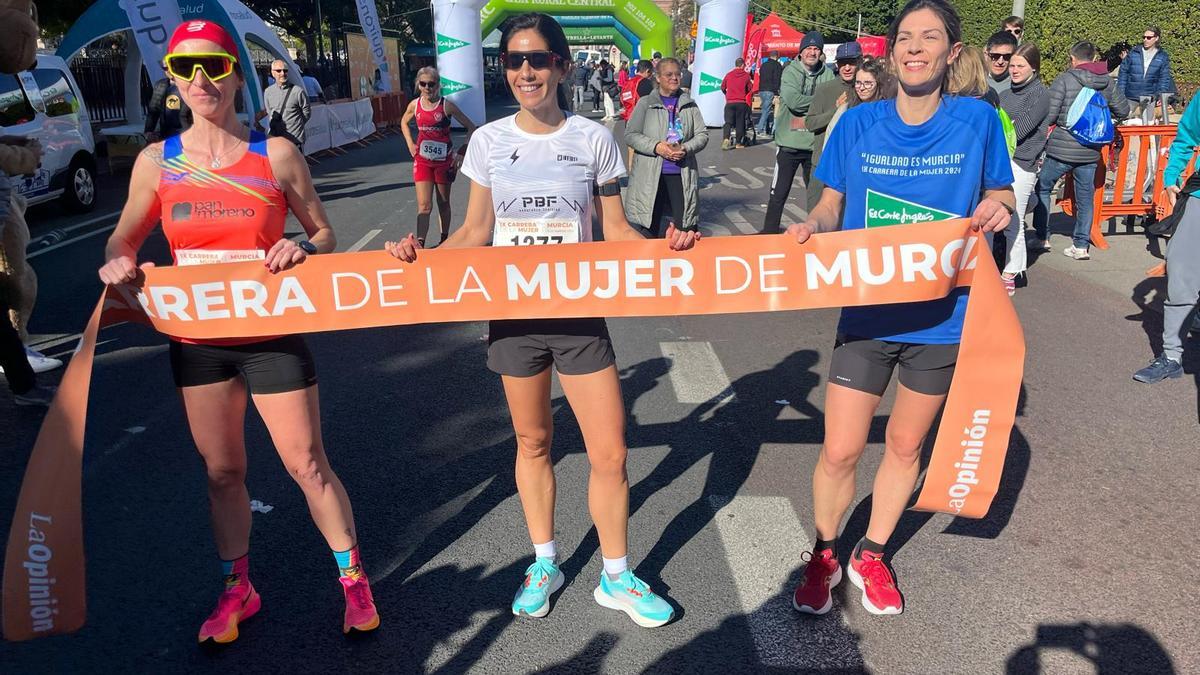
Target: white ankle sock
614,566
546,550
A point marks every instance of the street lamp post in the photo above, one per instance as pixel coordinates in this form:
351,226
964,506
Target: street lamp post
320,40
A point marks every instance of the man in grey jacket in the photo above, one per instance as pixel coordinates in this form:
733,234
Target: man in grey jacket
286,107
1064,153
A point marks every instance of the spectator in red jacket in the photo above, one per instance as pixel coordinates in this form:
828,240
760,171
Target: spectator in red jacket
736,87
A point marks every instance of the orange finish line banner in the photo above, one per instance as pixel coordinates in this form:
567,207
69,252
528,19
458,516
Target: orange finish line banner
44,564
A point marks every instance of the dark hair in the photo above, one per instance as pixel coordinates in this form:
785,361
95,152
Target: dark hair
885,82
1030,52
739,62
657,55
1154,29
545,25
1002,38
551,32
645,66
1083,51
942,8
1013,20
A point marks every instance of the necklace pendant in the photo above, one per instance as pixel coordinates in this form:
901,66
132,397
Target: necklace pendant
216,163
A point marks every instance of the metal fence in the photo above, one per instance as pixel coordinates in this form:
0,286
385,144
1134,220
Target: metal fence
101,81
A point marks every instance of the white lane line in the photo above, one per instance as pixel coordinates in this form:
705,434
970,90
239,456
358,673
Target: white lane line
72,240
52,342
358,245
763,540
696,373
89,221
754,183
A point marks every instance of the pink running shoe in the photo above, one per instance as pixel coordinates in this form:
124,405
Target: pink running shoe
874,578
821,574
237,603
360,605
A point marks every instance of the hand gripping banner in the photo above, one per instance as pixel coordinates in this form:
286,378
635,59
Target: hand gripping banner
44,566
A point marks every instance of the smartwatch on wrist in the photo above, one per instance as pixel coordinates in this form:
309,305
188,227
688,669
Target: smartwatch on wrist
308,247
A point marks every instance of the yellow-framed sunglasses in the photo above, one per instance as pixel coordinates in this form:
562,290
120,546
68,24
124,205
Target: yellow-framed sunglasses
216,65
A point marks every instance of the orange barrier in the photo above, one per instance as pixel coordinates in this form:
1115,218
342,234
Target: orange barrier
388,109
1138,203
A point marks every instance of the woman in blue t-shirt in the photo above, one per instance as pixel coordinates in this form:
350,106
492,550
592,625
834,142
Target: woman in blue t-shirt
923,156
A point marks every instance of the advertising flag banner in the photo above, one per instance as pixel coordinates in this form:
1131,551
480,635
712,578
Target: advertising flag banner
368,18
721,30
152,22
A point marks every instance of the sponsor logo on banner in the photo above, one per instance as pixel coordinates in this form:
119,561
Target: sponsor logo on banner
709,83
451,87
715,40
445,43
152,22
888,210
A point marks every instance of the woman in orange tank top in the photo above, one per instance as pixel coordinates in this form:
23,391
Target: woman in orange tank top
222,193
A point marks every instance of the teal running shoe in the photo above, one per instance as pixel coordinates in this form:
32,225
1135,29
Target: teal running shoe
634,597
542,579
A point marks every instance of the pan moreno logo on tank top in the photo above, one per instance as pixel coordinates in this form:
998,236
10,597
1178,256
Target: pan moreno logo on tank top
210,210
883,209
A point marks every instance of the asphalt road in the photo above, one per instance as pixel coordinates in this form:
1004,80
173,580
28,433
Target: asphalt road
1085,563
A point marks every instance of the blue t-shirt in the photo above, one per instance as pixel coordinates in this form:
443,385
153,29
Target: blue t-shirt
891,172
674,132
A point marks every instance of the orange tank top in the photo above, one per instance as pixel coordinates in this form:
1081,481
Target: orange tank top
231,214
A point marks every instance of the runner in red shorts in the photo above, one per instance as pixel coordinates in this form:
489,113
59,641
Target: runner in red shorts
433,163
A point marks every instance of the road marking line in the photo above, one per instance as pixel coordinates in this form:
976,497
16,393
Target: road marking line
737,222
358,245
56,341
696,373
90,221
763,540
755,184
67,242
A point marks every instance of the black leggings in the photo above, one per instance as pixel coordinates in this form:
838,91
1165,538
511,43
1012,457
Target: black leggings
787,160
16,366
670,189
737,115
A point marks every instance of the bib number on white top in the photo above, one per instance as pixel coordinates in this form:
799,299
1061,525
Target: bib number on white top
434,151
534,232
200,256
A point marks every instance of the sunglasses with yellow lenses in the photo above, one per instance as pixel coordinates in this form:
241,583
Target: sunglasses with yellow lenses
215,65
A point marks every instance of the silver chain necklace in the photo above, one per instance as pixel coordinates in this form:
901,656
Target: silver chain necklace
215,163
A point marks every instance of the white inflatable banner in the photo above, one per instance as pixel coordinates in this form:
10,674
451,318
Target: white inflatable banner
720,31
364,117
343,123
368,18
152,22
460,54
316,132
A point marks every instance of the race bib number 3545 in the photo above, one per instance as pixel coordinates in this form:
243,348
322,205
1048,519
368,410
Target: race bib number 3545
534,232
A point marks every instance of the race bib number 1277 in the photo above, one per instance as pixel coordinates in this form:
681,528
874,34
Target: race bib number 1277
534,232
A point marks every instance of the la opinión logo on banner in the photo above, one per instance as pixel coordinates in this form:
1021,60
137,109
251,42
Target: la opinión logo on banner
452,87
709,83
715,40
445,43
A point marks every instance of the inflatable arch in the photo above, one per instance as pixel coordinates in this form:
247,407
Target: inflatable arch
606,30
460,25
106,17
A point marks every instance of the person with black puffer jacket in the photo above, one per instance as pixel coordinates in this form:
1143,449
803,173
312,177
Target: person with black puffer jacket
1064,153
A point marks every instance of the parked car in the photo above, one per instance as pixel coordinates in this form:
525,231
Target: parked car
44,103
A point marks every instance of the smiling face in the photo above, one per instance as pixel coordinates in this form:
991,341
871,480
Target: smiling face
999,56
668,78
810,56
534,88
864,85
922,52
1020,70
204,97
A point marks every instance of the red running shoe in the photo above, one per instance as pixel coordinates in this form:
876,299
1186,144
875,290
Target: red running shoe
237,603
360,605
820,576
874,578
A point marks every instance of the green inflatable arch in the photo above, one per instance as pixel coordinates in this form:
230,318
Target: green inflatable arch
642,17
598,36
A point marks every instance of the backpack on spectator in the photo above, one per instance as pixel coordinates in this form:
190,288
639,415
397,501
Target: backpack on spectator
1088,120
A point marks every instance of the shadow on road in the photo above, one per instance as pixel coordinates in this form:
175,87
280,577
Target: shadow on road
1111,649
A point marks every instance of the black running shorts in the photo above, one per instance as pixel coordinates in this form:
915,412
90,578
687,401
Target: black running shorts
270,367
866,365
526,347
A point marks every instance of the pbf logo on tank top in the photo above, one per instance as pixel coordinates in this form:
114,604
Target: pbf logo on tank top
888,210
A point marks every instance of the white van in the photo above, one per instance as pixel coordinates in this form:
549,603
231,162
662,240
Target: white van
44,103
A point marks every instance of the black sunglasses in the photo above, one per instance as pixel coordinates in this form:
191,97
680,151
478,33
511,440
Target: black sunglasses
996,56
539,60
422,83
